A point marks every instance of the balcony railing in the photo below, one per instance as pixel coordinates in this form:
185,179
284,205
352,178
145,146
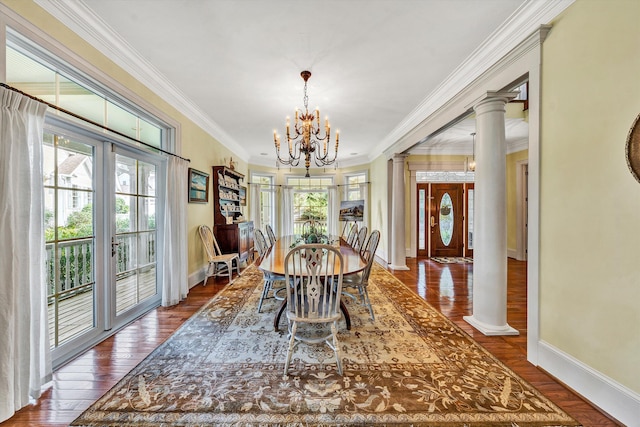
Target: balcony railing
321,227
71,301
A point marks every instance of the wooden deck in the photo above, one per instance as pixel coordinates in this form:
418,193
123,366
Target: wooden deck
76,312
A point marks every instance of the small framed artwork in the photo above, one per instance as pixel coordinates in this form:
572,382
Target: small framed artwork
198,186
243,196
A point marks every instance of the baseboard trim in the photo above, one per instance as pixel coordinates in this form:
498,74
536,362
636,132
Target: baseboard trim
196,277
608,395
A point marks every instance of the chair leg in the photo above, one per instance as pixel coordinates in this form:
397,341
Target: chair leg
230,270
265,291
334,332
292,341
238,266
206,275
367,302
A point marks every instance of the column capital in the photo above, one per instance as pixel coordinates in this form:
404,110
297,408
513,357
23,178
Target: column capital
399,157
493,96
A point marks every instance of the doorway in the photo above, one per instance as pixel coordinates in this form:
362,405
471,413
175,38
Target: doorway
100,230
444,219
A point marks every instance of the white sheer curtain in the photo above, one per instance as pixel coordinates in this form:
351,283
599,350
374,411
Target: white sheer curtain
287,210
175,285
254,205
25,358
333,209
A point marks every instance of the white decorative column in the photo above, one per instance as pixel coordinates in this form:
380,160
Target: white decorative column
398,249
490,218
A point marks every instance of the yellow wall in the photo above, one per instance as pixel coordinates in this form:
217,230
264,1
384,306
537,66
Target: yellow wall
589,202
512,199
203,150
379,203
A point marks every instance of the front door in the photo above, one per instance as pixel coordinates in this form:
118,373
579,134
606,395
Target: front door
446,220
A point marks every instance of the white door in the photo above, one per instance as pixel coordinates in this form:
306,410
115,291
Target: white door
134,235
100,217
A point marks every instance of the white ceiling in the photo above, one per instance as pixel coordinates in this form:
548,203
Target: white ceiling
234,65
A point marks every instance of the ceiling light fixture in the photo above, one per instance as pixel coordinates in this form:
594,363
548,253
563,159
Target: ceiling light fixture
306,136
471,166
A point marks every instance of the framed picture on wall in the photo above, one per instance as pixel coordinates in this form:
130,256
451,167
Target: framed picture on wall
198,186
243,196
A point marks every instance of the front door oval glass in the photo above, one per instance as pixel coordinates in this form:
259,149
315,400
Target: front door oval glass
446,219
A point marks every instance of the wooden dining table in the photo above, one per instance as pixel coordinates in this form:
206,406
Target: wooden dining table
273,262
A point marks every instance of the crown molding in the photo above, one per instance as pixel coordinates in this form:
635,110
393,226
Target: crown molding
513,32
77,16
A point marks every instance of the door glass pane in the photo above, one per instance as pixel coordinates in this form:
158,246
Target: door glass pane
446,219
421,219
135,218
69,235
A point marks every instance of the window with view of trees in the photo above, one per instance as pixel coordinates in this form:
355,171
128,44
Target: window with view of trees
84,277
310,201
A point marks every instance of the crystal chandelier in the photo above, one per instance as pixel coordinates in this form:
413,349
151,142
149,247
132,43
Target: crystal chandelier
306,137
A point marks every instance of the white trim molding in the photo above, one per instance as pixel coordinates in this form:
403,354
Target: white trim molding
511,35
610,396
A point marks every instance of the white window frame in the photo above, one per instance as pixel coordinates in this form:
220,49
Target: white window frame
270,191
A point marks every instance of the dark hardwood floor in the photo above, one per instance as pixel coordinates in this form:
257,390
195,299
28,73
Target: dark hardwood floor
447,287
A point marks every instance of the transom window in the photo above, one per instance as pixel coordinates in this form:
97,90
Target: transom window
58,86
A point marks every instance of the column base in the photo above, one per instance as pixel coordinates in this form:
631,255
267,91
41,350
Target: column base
398,267
490,330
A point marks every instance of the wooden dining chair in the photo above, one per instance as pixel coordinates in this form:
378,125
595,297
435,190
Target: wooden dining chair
352,234
270,234
359,241
219,264
360,281
313,277
269,277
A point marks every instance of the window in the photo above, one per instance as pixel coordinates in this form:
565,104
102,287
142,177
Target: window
57,84
446,176
99,208
267,199
352,183
310,201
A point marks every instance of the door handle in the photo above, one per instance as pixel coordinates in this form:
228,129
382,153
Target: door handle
114,245
433,221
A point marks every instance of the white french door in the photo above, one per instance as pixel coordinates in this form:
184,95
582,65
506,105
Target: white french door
134,236
101,210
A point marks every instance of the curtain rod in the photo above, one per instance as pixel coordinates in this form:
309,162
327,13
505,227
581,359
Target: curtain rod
282,185
84,119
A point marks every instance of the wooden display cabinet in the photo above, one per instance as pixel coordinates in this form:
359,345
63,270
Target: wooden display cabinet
232,234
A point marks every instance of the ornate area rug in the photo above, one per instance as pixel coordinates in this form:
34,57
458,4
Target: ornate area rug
411,367
452,259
